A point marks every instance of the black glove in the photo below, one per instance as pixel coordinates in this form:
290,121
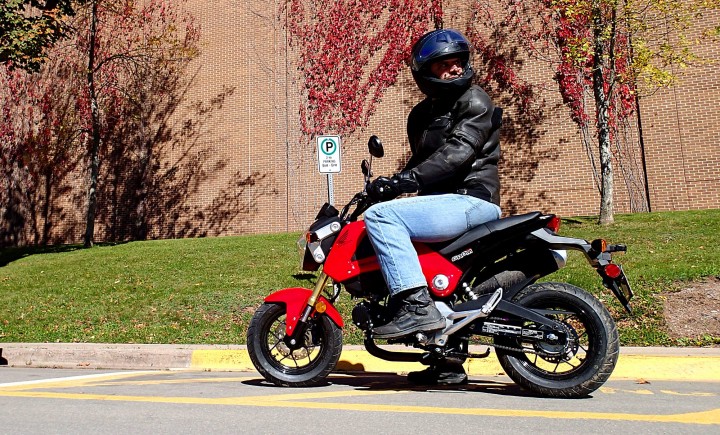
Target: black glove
407,182
385,189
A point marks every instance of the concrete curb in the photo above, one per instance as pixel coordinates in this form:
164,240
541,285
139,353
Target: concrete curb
687,364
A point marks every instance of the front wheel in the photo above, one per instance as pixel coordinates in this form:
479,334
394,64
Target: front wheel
304,366
574,368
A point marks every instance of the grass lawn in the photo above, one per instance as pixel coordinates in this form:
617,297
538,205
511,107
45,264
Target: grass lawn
205,290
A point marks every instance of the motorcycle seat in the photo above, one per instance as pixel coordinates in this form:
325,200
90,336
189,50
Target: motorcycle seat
488,228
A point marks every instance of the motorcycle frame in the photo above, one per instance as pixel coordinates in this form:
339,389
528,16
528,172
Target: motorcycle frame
340,265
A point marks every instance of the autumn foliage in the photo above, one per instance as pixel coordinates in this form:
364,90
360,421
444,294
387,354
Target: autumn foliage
587,46
28,28
348,53
76,112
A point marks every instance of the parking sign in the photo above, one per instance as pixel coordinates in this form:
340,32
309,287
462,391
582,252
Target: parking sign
328,154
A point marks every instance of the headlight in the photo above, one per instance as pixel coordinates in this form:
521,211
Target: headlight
314,245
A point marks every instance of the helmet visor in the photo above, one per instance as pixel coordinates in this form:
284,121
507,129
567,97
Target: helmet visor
443,43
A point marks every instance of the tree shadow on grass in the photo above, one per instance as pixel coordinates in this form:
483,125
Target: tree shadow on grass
9,255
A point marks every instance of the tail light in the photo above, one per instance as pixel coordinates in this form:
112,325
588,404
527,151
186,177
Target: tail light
554,224
612,270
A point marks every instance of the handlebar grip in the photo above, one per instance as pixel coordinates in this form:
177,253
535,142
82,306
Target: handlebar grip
617,248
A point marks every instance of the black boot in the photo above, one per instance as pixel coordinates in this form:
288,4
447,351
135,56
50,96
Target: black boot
415,312
444,373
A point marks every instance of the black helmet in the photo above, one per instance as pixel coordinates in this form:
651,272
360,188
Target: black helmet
436,45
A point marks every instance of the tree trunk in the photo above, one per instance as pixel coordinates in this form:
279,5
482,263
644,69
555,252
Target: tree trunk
602,104
94,151
47,207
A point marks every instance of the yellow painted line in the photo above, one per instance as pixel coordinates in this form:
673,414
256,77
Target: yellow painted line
70,382
323,395
362,361
666,368
268,400
176,381
690,394
711,417
221,360
685,368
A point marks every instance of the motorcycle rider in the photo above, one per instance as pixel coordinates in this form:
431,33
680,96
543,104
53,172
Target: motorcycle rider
454,139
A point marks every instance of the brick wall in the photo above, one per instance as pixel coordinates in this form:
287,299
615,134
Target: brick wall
255,134
682,137
246,169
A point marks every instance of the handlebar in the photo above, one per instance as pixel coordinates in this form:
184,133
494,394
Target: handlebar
616,248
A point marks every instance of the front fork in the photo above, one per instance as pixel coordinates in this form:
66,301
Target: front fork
319,286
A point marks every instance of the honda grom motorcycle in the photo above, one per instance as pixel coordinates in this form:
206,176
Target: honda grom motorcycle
551,338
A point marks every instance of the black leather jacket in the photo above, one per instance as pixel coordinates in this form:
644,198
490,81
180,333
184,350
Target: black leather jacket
455,145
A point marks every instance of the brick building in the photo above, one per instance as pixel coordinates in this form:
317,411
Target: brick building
244,47
246,168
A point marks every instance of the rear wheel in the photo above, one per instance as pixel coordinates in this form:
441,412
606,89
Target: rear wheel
303,366
575,367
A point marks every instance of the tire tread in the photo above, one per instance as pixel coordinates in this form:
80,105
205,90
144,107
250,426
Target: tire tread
608,360
313,378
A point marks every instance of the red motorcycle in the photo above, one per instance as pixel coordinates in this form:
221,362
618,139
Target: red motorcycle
551,338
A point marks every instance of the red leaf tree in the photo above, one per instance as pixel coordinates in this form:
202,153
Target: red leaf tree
590,59
117,68
594,54
348,53
39,130
603,52
100,96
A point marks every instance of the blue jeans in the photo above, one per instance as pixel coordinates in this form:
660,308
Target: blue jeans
392,227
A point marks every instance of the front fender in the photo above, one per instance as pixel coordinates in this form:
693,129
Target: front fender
295,299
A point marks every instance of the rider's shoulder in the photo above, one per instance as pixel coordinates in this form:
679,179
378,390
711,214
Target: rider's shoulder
422,109
474,101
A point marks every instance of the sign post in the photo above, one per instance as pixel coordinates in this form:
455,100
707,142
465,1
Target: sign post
329,161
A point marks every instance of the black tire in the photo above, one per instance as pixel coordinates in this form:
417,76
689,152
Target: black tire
304,367
595,351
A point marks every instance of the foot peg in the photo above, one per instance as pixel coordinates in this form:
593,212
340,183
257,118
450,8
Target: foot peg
492,302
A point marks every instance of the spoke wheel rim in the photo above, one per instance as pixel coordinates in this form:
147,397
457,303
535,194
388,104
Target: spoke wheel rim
575,355
282,358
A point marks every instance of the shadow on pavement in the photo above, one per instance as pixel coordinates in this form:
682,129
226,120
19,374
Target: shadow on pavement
369,381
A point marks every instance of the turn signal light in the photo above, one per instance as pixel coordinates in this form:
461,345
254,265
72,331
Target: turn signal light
599,245
320,307
613,270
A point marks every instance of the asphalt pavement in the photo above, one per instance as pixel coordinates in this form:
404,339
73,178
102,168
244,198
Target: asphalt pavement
650,363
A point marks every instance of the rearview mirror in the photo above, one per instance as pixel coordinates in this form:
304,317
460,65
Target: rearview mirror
375,147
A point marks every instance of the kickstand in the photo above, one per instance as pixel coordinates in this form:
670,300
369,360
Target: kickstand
480,355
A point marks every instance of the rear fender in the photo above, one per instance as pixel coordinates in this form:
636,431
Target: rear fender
295,299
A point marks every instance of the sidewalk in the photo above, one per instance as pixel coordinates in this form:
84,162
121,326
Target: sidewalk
648,363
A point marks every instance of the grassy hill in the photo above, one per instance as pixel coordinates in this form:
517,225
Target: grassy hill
205,290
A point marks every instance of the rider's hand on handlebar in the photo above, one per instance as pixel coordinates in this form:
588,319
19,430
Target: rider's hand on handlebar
385,189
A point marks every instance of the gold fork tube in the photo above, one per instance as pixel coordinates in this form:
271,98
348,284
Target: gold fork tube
319,286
